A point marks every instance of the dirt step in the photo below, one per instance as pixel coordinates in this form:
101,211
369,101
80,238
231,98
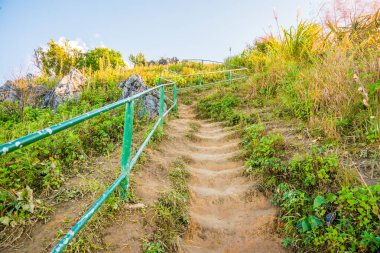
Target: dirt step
220,138
228,173
223,148
226,214
214,130
214,157
216,165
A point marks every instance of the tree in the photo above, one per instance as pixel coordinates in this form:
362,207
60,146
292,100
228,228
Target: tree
138,59
102,57
57,60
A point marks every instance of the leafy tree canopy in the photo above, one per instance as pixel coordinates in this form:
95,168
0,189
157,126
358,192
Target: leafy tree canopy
109,58
138,59
58,59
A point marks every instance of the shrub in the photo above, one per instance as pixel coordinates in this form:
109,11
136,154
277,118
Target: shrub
220,107
317,210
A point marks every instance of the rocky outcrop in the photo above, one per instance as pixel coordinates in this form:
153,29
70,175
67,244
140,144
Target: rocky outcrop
9,92
36,95
70,87
148,104
28,96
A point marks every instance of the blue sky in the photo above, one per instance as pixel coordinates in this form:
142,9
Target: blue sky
183,28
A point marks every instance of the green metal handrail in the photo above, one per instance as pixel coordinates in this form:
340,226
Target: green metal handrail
126,162
28,139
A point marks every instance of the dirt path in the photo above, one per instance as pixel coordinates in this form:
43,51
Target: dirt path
227,214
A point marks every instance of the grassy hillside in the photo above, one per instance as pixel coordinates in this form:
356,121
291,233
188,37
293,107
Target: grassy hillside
310,118
324,204
29,175
327,75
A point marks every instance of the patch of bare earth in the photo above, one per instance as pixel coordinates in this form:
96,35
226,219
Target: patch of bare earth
136,225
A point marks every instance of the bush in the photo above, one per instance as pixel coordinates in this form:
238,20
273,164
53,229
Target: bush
220,107
318,211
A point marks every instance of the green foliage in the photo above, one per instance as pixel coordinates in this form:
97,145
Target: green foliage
220,107
41,166
299,42
57,60
318,211
315,171
345,221
102,58
14,208
44,166
138,59
264,153
294,104
373,130
150,247
171,209
235,61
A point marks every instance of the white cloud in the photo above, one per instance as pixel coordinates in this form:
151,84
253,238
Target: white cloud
102,44
97,35
77,43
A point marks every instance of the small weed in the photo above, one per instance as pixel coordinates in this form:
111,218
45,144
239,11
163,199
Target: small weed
194,128
150,247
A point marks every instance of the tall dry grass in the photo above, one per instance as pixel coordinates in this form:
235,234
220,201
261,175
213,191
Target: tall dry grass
316,70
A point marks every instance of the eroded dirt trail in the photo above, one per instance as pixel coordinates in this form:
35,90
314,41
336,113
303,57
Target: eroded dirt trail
227,214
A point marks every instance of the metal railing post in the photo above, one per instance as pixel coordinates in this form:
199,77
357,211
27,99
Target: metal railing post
175,98
127,143
230,76
200,80
162,103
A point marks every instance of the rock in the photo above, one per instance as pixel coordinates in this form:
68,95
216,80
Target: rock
166,61
30,96
70,87
163,61
36,95
9,92
150,63
148,104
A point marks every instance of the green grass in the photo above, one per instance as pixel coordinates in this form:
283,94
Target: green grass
171,209
323,206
